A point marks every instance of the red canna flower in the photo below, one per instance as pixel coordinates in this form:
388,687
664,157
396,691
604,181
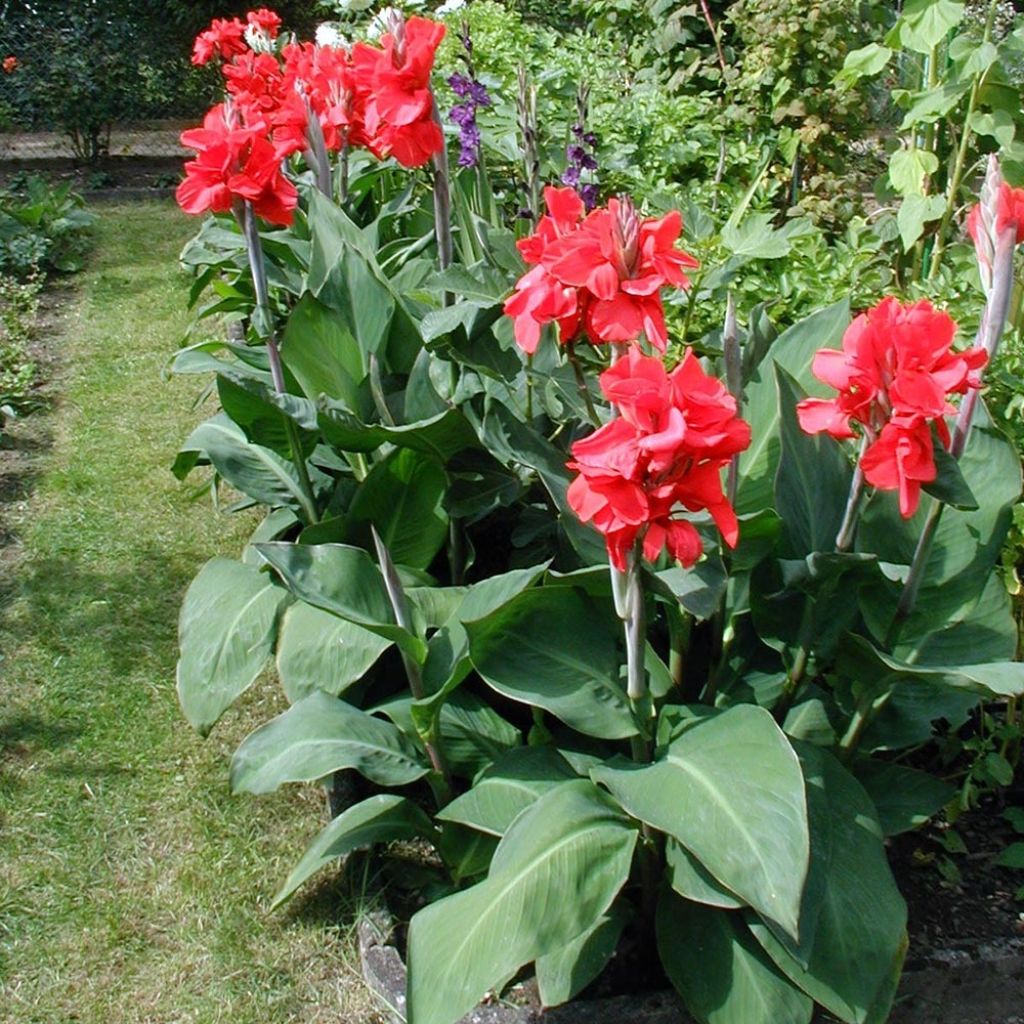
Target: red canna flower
225,38
234,162
10,64
394,80
612,262
894,374
265,20
661,457
325,77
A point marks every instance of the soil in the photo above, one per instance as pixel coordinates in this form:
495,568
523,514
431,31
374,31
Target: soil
960,900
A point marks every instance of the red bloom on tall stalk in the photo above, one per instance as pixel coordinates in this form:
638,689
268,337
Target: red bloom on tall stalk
225,38
395,81
663,455
265,20
10,64
894,374
601,274
234,162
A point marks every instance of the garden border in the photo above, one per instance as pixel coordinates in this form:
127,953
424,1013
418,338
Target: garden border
950,986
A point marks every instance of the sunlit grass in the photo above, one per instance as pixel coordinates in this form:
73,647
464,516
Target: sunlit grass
133,886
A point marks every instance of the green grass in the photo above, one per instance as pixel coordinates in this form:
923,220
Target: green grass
133,886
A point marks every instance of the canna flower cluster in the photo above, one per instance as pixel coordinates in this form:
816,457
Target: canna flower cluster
894,374
10,64
1001,209
598,274
377,97
660,457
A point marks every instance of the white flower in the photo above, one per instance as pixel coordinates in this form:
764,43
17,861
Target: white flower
329,35
450,7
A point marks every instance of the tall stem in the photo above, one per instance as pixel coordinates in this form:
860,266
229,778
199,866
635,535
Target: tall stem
442,201
581,384
733,359
961,154
265,327
848,527
413,673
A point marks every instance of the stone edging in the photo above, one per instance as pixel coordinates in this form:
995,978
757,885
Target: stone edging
984,985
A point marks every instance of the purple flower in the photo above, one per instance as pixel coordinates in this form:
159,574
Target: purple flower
478,94
588,163
589,195
571,176
576,154
461,85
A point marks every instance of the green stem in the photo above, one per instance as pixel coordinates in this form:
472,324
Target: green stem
265,322
961,154
581,384
691,296
529,388
795,676
864,715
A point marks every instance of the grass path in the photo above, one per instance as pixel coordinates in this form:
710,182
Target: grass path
133,887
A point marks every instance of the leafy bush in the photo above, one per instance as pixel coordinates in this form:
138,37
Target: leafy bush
43,228
19,303
659,645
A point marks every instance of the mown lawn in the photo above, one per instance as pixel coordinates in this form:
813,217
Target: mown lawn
133,886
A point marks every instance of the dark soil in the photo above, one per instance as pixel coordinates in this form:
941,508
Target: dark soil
960,900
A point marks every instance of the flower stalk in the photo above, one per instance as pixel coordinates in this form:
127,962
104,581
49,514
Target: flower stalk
264,324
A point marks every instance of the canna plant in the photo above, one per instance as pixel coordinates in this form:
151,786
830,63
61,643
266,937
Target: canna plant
633,640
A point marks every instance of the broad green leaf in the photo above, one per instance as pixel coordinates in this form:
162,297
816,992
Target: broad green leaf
949,485
812,484
864,62
929,106
323,356
859,917
860,659
914,213
555,648
319,735
809,721
343,580
441,436
1012,857
909,167
254,470
511,784
380,819
999,125
793,350
904,798
472,734
402,497
722,974
466,852
925,23
699,589
689,878
756,238
320,651
573,840
564,974
262,413
226,632
729,788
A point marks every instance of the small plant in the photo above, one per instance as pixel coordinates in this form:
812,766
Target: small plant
19,304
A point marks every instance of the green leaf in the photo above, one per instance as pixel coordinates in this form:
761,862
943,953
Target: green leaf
402,497
860,659
555,648
854,938
380,819
320,651
573,840
949,485
699,589
908,169
729,788
515,781
441,436
252,469
226,632
343,580
565,973
319,735
756,238
722,974
689,878
904,798
914,213
323,356
864,62
809,721
1012,857
812,484
793,350
925,23
932,104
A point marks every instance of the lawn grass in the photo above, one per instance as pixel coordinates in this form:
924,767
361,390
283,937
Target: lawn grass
133,886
